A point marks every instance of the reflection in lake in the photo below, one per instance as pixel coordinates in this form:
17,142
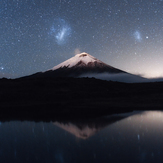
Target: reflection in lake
126,138
86,128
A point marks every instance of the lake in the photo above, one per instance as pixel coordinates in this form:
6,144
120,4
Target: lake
133,137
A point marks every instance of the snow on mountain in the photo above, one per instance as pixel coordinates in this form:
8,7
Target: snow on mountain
82,59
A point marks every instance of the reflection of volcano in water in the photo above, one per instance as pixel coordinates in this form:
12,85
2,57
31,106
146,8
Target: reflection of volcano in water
86,128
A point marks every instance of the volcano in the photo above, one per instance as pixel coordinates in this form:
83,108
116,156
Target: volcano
82,64
85,65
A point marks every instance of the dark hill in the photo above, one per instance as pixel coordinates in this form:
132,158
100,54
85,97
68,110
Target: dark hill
49,97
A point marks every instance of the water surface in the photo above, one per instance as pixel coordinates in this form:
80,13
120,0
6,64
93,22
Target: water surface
136,137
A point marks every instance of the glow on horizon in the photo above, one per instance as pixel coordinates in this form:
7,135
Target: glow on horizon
148,74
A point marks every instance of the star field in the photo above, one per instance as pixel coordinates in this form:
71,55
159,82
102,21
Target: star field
36,35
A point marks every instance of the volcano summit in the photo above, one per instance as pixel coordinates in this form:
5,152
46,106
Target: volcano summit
87,64
81,65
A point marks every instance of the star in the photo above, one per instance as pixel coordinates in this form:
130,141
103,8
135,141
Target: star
2,68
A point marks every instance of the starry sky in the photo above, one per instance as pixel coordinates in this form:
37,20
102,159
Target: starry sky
36,35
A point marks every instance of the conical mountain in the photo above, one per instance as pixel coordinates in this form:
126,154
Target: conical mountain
85,60
82,64
85,65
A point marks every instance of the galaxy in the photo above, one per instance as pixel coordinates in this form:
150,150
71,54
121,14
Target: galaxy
36,35
61,31
137,36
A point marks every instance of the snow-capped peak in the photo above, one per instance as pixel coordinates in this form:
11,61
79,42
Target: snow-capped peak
82,57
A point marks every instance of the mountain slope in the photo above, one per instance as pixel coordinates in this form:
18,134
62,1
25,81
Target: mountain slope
80,65
85,65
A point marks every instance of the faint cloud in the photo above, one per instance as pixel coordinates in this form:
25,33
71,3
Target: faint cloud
77,51
120,77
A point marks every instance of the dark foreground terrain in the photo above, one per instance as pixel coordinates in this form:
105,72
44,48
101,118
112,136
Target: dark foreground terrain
49,98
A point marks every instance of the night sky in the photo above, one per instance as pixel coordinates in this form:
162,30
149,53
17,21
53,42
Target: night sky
36,35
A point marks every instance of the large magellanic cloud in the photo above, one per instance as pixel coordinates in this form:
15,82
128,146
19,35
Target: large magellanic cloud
60,31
